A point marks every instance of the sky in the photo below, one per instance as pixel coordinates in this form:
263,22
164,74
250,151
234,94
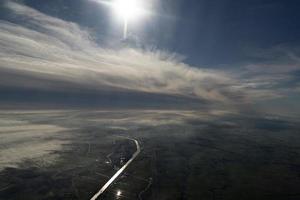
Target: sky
226,54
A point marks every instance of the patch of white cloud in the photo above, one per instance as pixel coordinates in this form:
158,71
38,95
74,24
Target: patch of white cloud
22,141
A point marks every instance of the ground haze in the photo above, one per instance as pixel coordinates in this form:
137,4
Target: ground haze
185,155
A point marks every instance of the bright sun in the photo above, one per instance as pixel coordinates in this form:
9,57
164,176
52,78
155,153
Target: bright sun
127,9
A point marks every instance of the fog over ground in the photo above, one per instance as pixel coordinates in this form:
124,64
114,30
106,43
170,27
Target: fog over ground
59,154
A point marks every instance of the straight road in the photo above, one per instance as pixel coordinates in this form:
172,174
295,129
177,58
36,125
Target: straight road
113,178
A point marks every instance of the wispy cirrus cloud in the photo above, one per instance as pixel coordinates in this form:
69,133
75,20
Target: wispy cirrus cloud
46,53
276,75
52,49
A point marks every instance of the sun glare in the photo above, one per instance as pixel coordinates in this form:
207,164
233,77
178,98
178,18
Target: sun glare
128,9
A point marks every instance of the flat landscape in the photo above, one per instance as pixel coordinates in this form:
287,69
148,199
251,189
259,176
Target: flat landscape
71,154
149,100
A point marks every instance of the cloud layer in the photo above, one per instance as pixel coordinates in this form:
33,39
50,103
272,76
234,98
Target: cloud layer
46,53
42,46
